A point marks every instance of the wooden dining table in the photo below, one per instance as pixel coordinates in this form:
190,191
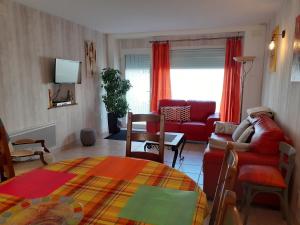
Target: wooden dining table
102,185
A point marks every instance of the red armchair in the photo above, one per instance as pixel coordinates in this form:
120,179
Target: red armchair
202,121
263,150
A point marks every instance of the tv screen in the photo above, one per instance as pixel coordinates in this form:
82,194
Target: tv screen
67,71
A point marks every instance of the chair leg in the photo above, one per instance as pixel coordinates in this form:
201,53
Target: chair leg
41,154
248,203
285,206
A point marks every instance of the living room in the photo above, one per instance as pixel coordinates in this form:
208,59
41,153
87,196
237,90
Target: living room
35,35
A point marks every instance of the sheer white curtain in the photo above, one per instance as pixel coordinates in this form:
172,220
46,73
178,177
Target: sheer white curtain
137,71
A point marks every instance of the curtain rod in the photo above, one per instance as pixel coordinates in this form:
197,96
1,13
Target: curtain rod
196,39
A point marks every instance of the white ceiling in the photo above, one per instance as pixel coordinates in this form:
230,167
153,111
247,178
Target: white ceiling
127,16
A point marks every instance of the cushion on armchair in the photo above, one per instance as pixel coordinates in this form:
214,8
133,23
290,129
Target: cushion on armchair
221,145
224,127
240,129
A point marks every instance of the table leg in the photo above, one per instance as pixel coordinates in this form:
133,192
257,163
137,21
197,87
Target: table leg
182,146
175,150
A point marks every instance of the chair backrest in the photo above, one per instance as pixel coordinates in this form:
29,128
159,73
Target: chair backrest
145,136
5,157
287,160
229,214
226,179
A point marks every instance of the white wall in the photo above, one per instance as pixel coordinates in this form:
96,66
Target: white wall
282,95
254,40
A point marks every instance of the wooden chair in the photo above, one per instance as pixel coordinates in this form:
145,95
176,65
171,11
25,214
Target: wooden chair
145,136
229,214
6,166
19,154
226,180
267,179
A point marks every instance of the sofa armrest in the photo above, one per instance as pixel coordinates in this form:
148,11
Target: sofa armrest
210,123
152,127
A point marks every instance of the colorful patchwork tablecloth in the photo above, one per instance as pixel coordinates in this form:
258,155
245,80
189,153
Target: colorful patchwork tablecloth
104,190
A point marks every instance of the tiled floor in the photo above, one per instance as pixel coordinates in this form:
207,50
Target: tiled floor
191,165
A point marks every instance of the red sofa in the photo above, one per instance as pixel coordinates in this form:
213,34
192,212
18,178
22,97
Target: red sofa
202,121
263,151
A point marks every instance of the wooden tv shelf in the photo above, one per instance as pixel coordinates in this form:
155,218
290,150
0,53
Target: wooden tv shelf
54,107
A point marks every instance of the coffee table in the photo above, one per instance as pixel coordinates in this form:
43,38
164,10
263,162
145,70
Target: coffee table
172,140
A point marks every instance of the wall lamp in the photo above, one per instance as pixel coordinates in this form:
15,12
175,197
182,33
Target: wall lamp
272,44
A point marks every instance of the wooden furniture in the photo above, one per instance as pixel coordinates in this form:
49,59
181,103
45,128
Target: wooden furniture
229,213
21,153
6,166
101,194
268,179
226,180
9,153
145,136
173,141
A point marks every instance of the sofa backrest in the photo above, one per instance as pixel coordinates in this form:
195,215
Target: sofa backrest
267,136
200,110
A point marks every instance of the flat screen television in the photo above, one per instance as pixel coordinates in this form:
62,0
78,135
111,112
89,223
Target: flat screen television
67,71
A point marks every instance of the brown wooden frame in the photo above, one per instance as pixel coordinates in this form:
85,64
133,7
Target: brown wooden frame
226,181
5,157
145,136
228,210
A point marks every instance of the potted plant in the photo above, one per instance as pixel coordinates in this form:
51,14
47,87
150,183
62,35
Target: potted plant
115,97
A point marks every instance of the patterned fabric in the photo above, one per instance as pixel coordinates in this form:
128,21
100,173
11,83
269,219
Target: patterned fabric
177,113
102,198
171,113
185,113
246,135
262,175
225,128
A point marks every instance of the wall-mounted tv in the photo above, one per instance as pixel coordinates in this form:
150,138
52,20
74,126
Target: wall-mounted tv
67,71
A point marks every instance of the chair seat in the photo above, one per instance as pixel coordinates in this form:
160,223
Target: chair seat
262,175
22,153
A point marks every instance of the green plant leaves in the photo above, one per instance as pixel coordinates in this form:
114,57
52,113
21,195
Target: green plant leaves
116,89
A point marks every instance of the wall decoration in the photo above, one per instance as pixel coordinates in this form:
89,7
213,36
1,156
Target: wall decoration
295,73
273,52
90,58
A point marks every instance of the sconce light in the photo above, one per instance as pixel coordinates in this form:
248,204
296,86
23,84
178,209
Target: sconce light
272,44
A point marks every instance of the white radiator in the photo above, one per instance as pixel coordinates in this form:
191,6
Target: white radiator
45,132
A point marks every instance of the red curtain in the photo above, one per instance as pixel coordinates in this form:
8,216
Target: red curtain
161,84
230,104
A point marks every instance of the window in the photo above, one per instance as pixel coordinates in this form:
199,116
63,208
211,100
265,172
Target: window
137,71
197,74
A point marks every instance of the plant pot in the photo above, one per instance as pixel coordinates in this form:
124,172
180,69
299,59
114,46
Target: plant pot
112,120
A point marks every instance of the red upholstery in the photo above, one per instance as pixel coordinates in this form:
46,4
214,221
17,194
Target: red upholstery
267,136
201,110
170,126
202,119
262,175
263,151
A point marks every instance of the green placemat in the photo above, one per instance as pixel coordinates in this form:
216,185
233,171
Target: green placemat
161,206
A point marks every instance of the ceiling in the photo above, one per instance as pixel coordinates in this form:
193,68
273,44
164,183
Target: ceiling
128,16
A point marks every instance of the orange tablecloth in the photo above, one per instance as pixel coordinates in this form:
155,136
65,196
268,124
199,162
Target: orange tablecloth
103,195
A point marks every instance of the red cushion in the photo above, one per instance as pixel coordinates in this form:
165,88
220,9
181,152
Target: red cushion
262,175
172,126
200,110
215,156
267,136
193,127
